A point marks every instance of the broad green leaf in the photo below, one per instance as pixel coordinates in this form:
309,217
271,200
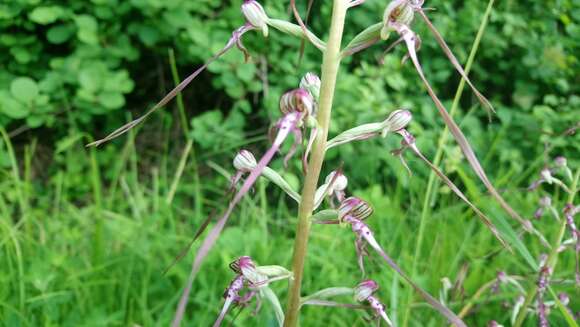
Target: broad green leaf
112,100
12,108
24,89
45,15
59,34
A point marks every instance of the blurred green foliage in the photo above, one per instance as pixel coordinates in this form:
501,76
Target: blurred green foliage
86,233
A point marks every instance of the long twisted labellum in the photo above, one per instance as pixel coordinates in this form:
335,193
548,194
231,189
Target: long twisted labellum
235,40
287,124
410,39
460,194
454,319
486,104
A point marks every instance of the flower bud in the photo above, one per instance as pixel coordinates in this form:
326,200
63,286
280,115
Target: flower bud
255,15
340,182
354,207
398,120
245,161
311,83
397,12
547,175
297,100
545,201
365,289
564,298
560,162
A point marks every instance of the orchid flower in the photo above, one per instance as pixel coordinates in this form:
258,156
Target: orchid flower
255,279
364,293
396,121
353,212
334,188
289,123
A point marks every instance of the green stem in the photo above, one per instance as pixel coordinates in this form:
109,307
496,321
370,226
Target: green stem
330,66
552,258
441,145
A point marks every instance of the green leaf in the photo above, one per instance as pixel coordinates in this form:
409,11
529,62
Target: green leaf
12,108
45,15
60,34
91,78
112,100
88,28
24,89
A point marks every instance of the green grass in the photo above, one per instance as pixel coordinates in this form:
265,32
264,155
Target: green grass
78,251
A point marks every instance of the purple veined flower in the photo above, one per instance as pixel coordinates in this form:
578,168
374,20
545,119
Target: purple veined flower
364,291
364,237
494,323
244,162
256,15
339,183
288,124
232,296
354,207
408,143
255,280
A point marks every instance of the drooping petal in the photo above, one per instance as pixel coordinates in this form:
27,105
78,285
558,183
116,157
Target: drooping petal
227,304
409,37
457,191
234,40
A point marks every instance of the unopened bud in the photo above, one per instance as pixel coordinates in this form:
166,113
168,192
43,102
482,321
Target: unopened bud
564,298
547,175
354,207
297,100
399,119
311,83
256,15
397,12
365,289
561,162
245,161
545,201
340,182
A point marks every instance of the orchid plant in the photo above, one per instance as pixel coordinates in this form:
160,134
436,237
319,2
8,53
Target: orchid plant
306,110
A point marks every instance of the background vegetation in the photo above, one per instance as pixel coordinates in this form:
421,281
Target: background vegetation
85,234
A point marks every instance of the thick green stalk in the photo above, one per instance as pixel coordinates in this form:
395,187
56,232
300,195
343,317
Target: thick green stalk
441,146
553,256
330,65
